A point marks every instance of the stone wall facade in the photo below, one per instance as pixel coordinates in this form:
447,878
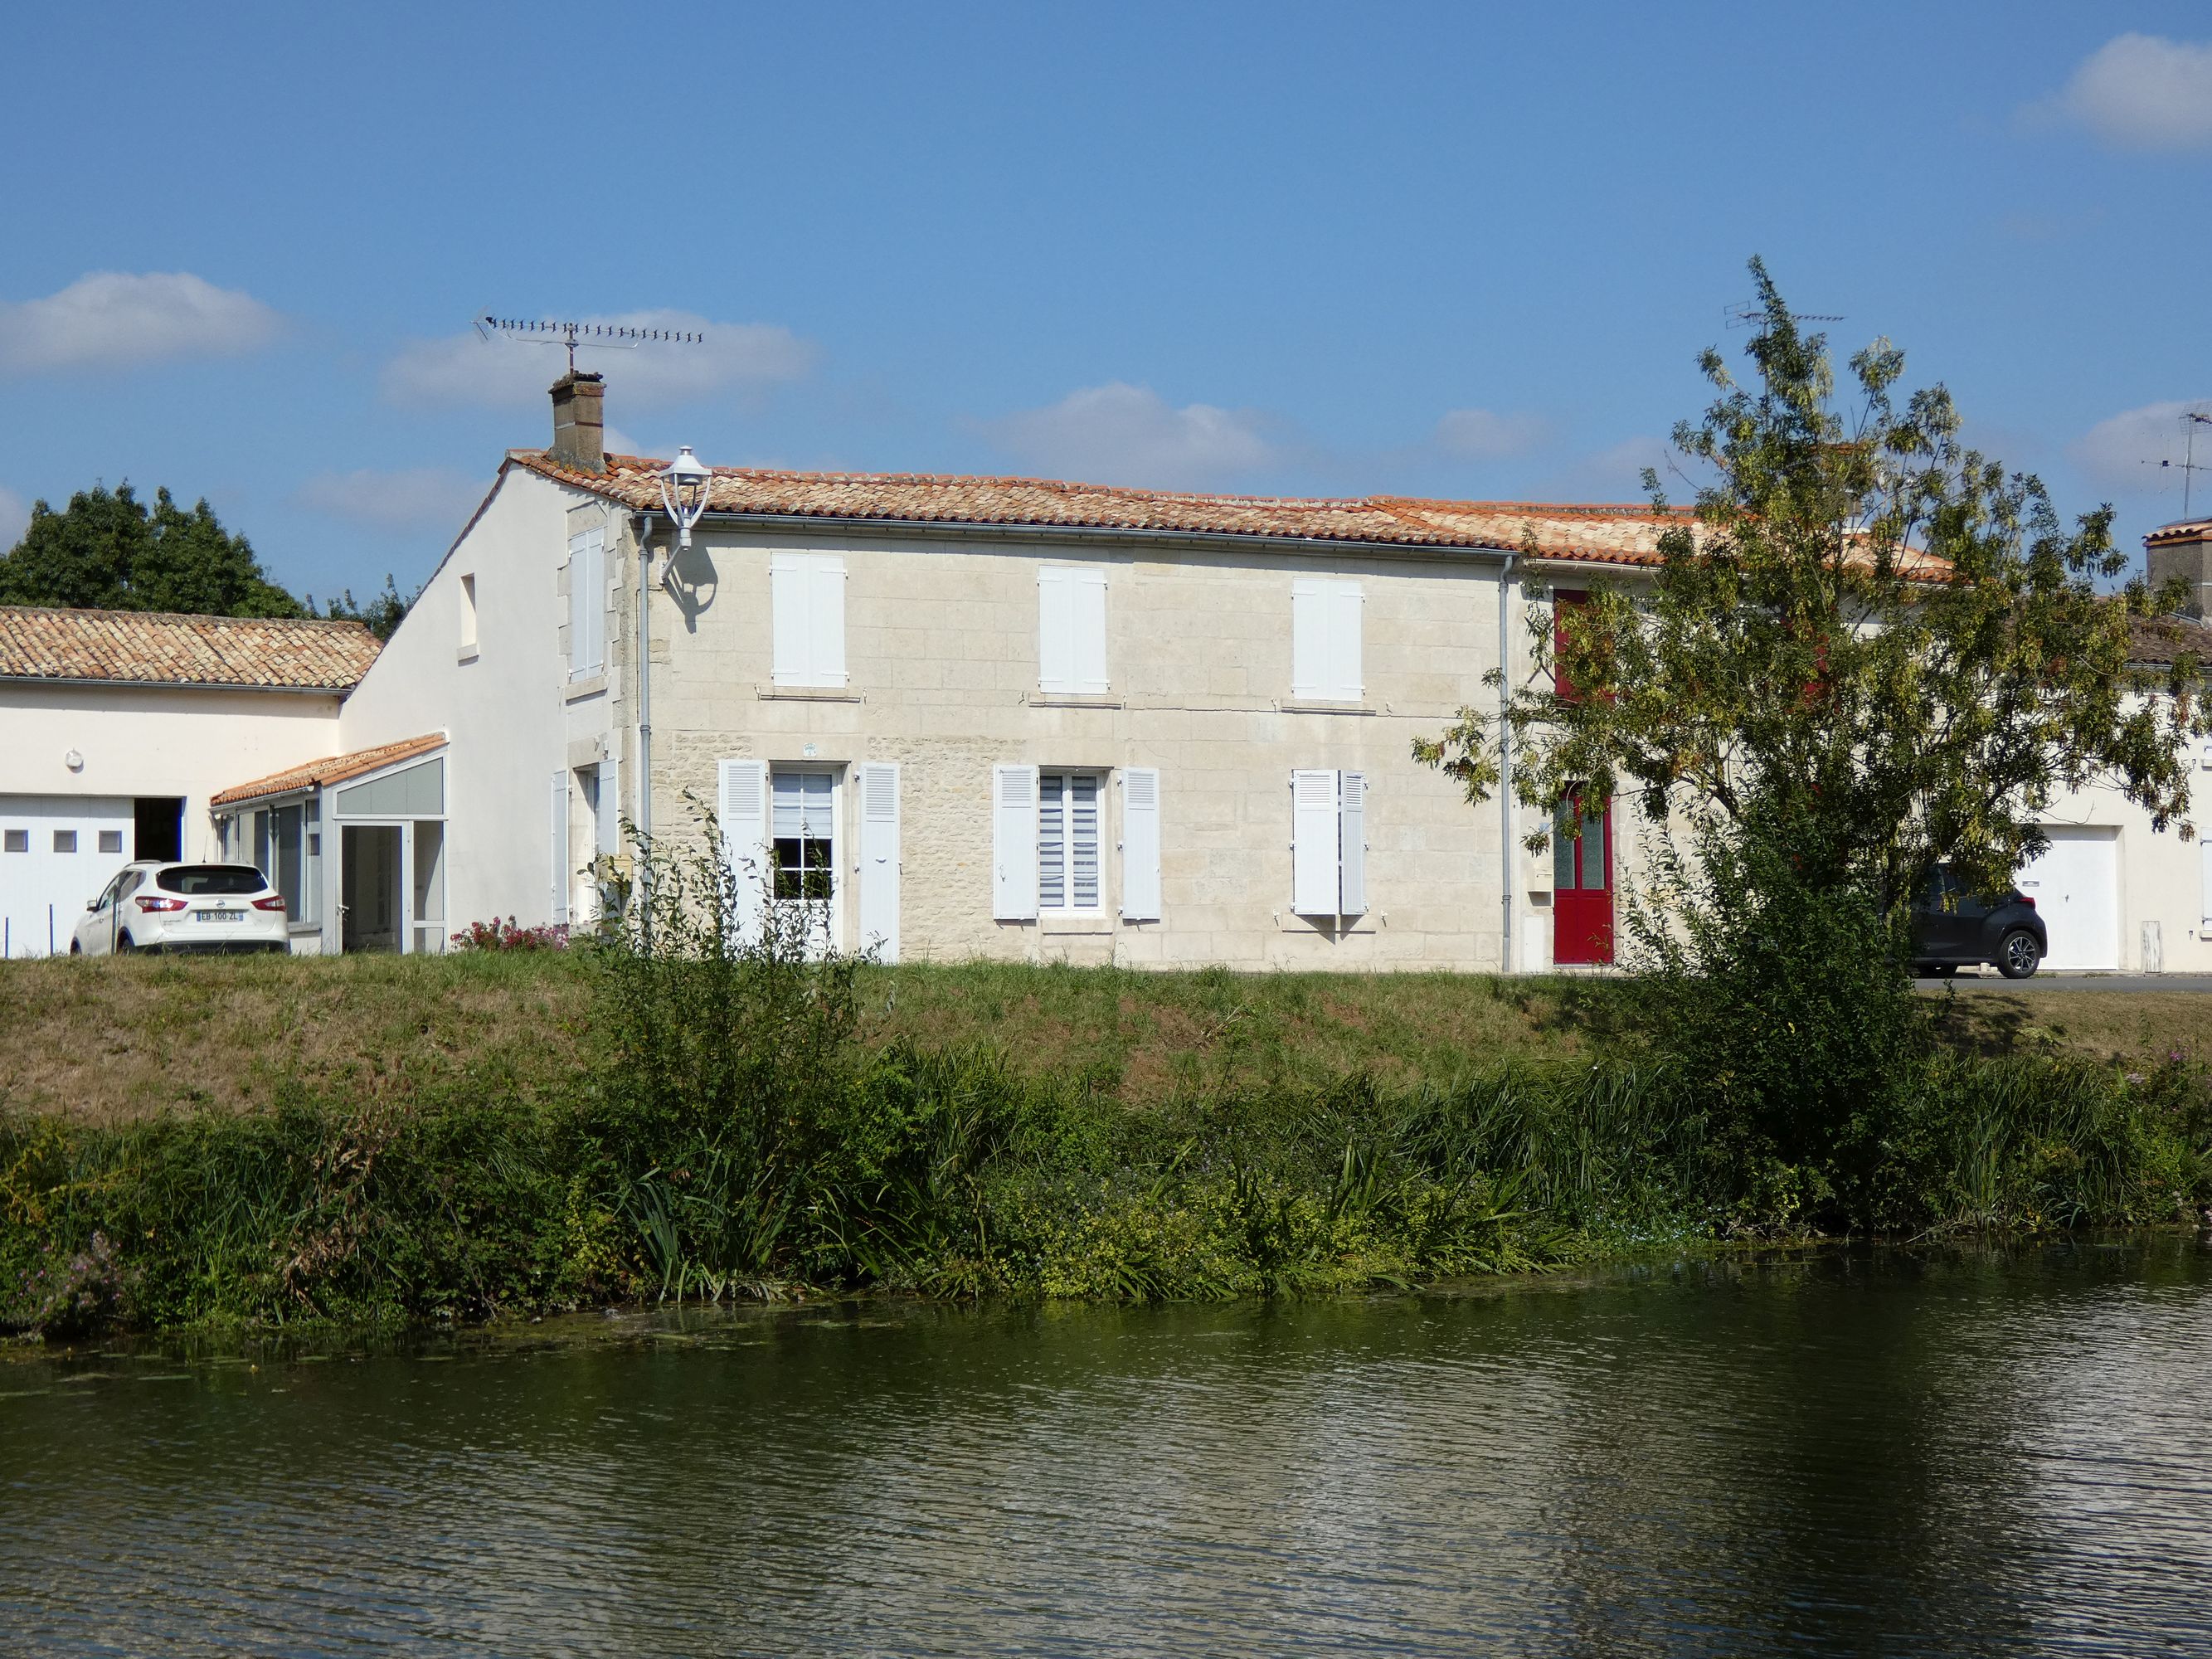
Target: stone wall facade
942,654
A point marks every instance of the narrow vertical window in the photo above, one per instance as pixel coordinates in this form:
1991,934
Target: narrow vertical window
1067,842
469,614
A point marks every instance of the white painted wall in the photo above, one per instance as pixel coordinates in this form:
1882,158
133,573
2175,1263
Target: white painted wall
500,703
157,740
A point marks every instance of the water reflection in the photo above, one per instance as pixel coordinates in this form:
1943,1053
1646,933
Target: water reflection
1959,1453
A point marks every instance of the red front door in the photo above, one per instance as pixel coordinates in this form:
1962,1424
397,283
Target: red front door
1581,885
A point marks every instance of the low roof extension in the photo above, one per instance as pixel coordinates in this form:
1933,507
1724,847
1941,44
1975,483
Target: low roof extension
338,768
1595,534
156,647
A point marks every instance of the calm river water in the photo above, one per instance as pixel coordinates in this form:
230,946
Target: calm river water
1895,1455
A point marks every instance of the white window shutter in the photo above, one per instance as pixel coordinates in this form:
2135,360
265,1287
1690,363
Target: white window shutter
595,602
880,859
583,652
1310,662
609,824
1352,844
787,601
1313,844
2205,866
825,619
1088,592
1055,631
1345,604
560,827
741,796
1140,843
1013,843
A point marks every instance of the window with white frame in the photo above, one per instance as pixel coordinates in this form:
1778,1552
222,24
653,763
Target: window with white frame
806,607
1068,881
1072,630
803,836
587,604
1325,618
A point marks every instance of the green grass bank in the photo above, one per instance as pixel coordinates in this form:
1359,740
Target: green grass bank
365,1139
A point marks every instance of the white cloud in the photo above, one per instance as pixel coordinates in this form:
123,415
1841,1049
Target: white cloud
2122,454
111,318
417,499
503,373
15,518
2143,92
1616,474
1484,434
1127,434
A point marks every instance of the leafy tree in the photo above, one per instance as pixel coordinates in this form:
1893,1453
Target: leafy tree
381,615
109,551
1867,643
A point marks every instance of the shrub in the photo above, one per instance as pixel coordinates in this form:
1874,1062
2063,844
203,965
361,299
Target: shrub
504,935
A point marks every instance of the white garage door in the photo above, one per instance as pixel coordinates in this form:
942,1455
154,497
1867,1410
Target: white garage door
55,851
2075,885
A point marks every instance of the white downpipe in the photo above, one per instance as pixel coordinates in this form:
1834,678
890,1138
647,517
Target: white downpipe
1508,864
644,819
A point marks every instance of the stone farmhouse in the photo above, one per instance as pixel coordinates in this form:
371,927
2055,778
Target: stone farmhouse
946,717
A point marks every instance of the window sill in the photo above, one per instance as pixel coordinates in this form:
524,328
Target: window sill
806,694
1050,922
1324,706
1073,700
466,653
579,690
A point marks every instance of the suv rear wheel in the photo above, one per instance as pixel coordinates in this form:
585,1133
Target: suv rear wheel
2018,954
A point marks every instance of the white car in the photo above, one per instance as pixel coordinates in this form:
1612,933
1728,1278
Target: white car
183,906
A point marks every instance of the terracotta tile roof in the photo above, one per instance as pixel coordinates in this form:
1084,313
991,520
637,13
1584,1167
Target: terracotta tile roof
338,768
1611,534
2165,641
154,648
2181,530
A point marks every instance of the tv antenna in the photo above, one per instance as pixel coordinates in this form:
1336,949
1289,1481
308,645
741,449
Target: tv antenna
2187,466
592,336
1746,313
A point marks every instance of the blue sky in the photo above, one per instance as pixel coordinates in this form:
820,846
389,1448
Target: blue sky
1462,250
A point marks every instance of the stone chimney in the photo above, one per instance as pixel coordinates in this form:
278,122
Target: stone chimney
579,421
2183,550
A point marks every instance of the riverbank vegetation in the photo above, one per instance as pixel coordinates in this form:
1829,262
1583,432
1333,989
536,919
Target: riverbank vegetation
490,1134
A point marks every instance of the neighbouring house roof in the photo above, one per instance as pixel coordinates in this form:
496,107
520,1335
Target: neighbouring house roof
321,774
155,647
1598,533
2182,530
2165,641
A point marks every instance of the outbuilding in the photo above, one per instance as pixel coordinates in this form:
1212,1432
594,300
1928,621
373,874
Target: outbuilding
118,728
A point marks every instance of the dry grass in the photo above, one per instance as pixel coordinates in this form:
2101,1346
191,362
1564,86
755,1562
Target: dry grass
118,1039
2127,1025
124,1037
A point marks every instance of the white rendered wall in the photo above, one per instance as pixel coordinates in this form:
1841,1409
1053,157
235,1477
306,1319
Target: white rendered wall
500,703
157,740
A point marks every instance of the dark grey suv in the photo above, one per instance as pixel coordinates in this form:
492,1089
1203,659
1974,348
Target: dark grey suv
1952,928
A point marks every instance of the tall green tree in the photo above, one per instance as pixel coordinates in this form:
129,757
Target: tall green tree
109,551
1867,640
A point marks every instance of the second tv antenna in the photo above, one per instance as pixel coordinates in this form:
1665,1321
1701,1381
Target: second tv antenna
590,336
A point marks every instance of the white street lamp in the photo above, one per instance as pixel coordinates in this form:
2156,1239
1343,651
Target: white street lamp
684,483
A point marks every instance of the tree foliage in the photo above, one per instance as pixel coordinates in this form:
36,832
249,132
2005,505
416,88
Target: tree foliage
108,550
1866,642
381,615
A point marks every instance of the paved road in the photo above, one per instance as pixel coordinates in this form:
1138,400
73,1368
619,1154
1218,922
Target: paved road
1968,981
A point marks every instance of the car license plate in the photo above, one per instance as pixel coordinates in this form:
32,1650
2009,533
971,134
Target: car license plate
218,915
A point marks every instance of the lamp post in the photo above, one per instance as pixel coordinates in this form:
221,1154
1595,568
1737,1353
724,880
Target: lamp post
683,484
